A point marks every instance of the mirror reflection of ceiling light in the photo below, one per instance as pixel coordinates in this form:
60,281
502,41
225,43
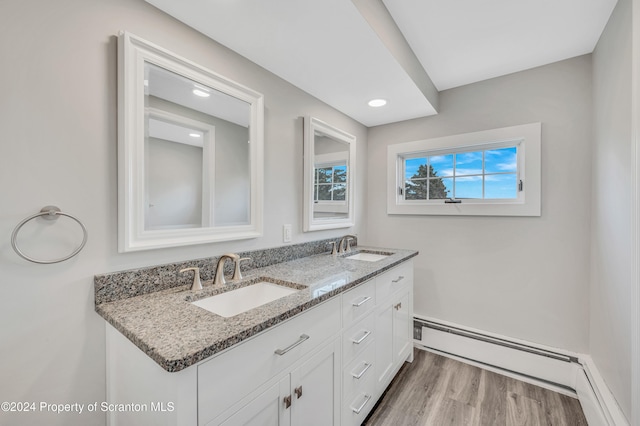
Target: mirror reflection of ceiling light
195,135
201,93
377,103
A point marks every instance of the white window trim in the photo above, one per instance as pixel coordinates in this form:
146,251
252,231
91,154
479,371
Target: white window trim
529,148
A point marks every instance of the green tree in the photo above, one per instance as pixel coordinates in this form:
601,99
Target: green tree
416,186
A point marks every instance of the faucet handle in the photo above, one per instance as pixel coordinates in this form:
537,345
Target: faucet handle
237,274
334,250
348,249
197,284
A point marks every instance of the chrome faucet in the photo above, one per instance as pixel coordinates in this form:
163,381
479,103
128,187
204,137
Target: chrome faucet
347,239
218,279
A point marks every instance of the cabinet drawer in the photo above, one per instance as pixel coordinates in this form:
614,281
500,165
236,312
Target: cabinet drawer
357,407
357,337
227,378
357,302
356,374
394,279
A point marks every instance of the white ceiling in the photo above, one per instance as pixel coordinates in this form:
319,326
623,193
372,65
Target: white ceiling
463,41
328,49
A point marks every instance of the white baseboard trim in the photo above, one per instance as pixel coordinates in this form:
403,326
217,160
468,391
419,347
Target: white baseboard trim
555,369
594,393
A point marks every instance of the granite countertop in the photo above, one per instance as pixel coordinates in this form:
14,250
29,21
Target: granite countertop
177,334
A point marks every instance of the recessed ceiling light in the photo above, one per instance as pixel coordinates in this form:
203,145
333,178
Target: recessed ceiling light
201,93
377,103
195,135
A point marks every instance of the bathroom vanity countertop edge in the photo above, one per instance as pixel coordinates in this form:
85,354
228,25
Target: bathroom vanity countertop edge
176,334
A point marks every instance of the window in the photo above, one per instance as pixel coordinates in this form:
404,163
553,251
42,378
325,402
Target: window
490,173
330,183
494,172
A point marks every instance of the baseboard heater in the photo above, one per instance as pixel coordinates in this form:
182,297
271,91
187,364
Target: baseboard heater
419,323
547,368
540,366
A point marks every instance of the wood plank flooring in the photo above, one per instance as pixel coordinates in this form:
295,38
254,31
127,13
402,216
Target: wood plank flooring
439,391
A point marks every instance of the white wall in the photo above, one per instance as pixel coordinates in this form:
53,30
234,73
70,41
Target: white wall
58,146
610,315
525,277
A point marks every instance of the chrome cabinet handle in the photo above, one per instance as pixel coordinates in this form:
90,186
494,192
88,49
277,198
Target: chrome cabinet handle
397,280
366,399
364,370
287,401
364,336
298,391
398,306
362,302
302,338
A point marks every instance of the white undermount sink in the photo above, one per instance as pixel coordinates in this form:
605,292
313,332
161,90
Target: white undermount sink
368,256
243,299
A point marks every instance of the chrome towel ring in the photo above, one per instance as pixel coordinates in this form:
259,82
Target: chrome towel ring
48,213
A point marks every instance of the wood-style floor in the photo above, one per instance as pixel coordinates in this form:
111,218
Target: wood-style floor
438,391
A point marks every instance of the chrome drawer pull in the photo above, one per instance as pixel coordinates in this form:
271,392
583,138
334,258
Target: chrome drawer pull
366,399
364,336
400,278
302,338
364,370
362,302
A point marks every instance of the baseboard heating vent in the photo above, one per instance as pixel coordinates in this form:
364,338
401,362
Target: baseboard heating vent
419,323
559,372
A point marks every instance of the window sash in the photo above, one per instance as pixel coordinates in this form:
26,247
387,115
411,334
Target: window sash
332,183
455,176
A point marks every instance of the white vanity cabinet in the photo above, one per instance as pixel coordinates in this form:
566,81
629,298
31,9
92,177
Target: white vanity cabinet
308,395
245,384
233,379
326,366
265,410
394,312
370,369
358,340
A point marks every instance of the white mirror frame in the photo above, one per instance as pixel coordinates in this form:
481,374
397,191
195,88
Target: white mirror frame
133,52
311,126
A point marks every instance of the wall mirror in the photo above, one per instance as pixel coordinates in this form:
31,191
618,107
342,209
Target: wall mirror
190,160
329,170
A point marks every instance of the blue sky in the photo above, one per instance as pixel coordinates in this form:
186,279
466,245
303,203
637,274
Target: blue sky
501,160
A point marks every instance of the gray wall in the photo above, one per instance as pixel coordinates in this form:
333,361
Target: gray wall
59,130
173,184
611,246
232,186
524,277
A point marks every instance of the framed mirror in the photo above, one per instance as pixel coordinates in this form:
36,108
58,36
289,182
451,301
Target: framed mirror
190,152
329,171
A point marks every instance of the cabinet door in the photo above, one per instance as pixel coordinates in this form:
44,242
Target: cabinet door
315,389
267,409
401,328
249,365
384,345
